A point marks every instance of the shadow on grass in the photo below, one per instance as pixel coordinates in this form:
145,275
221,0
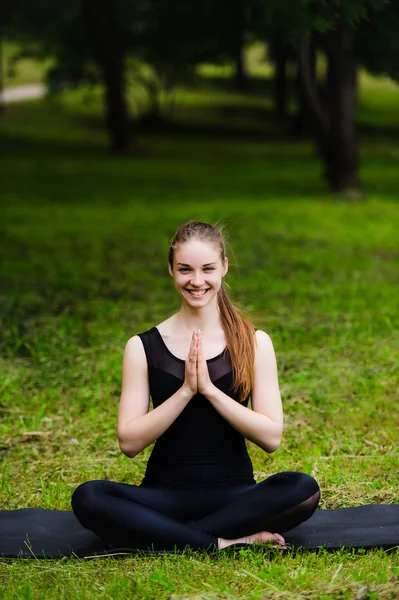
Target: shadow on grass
380,132
27,146
24,144
229,123
59,126
256,86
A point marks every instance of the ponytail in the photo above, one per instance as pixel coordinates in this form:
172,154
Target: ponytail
240,337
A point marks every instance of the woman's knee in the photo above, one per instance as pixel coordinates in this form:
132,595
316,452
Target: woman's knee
308,484
300,484
313,501
87,496
309,492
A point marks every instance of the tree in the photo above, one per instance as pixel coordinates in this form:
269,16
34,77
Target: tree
173,39
333,24
81,34
335,118
103,21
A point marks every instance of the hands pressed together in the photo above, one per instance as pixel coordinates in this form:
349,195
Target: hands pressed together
197,378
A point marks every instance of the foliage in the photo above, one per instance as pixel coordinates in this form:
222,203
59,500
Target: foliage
309,16
377,42
23,65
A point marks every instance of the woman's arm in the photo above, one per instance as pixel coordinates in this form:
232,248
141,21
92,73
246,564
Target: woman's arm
138,428
263,425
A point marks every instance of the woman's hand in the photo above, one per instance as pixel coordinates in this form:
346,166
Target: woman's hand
191,379
205,384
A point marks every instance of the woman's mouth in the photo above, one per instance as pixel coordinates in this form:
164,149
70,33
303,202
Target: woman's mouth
197,293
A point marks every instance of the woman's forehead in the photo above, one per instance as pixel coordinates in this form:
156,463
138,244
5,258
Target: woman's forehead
197,252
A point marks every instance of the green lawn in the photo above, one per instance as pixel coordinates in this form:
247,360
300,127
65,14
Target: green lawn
85,236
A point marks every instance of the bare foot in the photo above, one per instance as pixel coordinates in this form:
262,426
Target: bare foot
262,537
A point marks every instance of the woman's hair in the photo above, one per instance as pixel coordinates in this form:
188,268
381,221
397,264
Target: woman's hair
238,330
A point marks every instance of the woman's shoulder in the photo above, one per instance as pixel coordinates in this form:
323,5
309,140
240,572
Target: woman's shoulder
264,351
261,334
140,340
145,345
263,339
135,353
136,341
149,337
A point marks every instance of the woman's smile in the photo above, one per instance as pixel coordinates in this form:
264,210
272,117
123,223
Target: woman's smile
197,293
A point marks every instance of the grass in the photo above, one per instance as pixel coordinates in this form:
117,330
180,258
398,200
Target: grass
252,574
84,238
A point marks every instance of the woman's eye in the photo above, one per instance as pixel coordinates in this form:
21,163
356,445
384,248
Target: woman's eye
184,269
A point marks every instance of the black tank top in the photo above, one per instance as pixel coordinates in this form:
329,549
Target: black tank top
200,448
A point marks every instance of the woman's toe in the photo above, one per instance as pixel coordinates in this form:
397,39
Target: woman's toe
276,537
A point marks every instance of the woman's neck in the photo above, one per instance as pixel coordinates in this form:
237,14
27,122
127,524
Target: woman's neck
206,318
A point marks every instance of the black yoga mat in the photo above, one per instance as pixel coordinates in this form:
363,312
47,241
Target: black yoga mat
35,532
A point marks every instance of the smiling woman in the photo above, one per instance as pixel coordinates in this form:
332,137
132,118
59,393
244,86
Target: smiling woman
200,367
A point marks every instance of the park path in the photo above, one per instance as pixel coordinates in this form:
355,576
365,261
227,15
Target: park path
23,92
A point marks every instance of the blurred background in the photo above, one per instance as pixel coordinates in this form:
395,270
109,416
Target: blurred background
121,119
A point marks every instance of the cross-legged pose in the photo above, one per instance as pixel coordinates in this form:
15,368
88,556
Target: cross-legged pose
200,367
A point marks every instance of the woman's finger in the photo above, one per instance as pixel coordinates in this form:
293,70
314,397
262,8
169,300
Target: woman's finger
192,354
200,348
192,345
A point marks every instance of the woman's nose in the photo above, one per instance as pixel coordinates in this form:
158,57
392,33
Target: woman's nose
197,279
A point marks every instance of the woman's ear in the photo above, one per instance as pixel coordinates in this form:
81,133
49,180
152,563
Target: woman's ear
225,266
170,270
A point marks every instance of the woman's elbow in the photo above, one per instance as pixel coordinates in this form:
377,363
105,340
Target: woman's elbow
126,446
272,443
128,450
271,447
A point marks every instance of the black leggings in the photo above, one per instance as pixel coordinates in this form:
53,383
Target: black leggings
166,519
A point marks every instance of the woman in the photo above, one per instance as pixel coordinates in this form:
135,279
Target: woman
200,366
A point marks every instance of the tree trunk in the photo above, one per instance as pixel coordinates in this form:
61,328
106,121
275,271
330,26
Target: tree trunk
319,117
303,121
280,59
341,102
240,77
238,24
117,117
334,124
101,17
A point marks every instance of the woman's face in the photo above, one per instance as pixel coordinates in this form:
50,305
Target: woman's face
198,272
